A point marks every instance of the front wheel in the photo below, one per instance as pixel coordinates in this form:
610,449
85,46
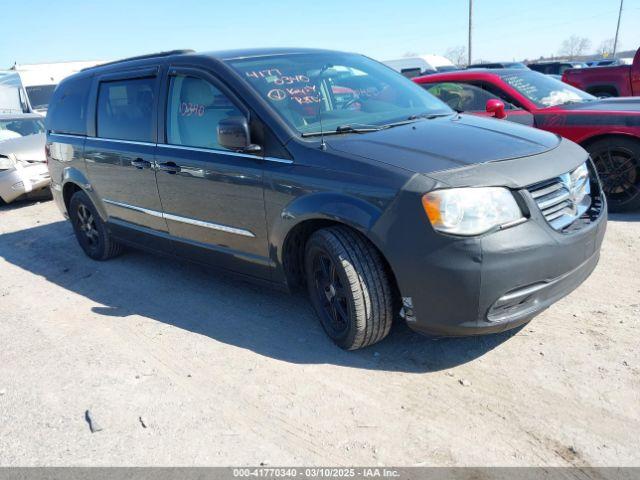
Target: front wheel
618,163
349,287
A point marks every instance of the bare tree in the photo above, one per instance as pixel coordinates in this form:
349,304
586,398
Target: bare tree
606,48
458,55
574,46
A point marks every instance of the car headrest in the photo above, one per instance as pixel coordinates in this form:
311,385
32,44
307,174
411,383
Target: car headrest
197,91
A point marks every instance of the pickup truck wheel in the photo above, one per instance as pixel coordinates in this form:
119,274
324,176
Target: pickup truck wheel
90,230
349,287
618,163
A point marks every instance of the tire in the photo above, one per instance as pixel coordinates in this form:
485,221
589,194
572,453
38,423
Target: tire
349,287
604,94
601,92
91,232
618,163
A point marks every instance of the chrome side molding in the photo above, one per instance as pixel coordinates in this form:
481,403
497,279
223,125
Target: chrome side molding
178,218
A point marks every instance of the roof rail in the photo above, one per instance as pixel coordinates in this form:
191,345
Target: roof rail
142,57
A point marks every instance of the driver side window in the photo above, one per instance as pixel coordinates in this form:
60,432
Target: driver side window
194,110
462,97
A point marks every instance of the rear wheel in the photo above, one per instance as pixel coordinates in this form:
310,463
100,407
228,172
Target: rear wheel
349,287
618,163
603,92
90,230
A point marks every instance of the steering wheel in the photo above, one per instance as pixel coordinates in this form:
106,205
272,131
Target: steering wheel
353,101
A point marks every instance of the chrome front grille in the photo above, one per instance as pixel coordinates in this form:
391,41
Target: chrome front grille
563,199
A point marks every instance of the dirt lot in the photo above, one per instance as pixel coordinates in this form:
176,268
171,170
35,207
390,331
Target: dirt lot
181,366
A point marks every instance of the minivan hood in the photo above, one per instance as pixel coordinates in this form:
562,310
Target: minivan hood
29,148
444,143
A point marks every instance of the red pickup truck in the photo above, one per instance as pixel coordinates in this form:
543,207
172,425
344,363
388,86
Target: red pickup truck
621,81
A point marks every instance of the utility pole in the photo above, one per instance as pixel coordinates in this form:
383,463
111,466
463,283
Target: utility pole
615,42
470,29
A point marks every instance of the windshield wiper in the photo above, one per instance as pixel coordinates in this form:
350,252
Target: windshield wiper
429,116
413,118
363,128
355,128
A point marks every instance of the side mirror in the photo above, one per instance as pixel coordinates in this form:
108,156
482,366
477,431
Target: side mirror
495,108
233,134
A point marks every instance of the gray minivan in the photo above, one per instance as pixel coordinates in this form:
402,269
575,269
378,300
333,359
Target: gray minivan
331,171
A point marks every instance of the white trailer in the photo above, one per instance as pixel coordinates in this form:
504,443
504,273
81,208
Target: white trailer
30,86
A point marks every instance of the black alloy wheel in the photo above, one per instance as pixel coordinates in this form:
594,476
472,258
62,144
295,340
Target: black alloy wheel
87,226
349,287
91,232
618,165
331,294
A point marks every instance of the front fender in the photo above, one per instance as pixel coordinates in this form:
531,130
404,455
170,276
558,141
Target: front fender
591,137
336,207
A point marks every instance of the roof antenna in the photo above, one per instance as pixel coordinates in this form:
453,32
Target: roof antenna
325,67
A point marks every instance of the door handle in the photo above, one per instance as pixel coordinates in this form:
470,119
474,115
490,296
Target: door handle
168,167
139,163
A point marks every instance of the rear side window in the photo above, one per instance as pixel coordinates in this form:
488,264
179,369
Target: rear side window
68,107
125,109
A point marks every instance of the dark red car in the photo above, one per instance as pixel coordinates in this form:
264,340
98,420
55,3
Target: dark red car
608,128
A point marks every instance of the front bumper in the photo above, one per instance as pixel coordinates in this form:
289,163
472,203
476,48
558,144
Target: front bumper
502,280
21,180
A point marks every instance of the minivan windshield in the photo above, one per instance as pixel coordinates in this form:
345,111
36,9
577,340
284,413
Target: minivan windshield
348,93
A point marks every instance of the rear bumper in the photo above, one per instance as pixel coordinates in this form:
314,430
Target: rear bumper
502,280
22,180
58,198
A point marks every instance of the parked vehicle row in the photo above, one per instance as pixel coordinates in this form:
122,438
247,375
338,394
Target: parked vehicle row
326,170
421,65
492,65
555,68
615,81
622,79
609,129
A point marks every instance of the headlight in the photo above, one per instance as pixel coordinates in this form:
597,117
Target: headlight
580,186
6,162
470,211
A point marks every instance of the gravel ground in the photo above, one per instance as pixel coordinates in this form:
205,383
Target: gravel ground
182,366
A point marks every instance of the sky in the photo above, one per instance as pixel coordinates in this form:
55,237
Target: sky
38,31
